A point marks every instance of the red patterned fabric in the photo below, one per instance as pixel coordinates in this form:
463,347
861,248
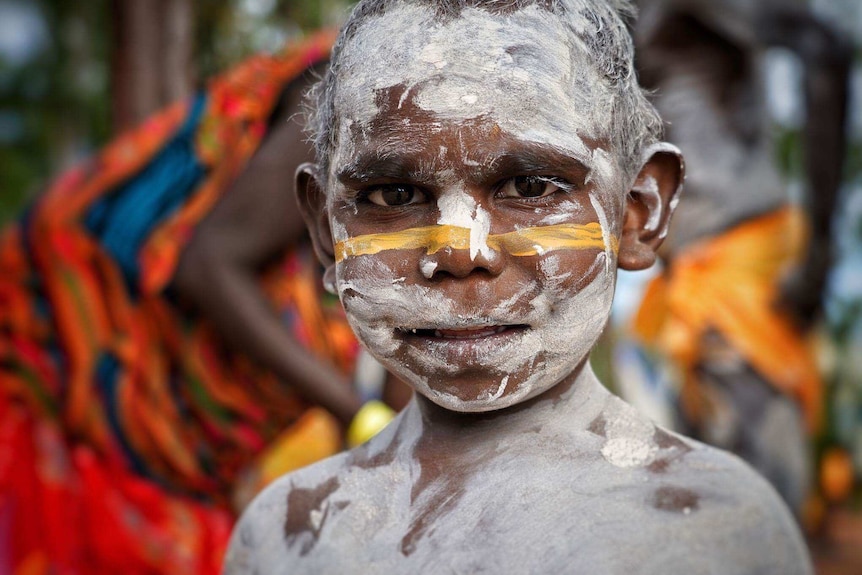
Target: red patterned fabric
124,422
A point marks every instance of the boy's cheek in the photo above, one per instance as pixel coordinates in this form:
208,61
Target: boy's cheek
383,269
566,276
383,291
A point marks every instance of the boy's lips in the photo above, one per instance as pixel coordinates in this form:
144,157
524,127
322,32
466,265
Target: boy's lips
465,348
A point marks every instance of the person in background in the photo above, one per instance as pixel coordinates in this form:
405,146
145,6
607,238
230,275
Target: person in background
164,346
745,267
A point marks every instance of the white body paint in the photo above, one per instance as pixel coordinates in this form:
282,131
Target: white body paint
603,221
564,215
428,267
649,190
628,439
542,490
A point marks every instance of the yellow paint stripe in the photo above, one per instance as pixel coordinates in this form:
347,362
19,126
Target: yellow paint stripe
523,242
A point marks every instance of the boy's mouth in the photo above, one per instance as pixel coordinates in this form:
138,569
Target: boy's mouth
465,332
465,348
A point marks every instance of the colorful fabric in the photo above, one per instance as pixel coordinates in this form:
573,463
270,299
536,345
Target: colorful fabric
124,423
730,284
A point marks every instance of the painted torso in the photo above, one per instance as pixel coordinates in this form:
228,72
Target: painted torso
593,488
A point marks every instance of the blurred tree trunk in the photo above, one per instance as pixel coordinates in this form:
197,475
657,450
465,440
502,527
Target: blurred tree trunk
152,54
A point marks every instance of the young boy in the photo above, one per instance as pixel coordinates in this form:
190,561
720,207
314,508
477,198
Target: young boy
483,168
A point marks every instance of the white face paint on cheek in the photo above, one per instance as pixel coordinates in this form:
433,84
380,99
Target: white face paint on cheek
554,277
564,213
364,287
566,319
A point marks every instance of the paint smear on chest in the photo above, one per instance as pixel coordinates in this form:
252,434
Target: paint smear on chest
630,438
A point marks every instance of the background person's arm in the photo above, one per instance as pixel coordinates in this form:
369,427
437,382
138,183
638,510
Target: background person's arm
256,221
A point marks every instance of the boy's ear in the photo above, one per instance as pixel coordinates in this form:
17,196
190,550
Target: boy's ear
649,205
311,197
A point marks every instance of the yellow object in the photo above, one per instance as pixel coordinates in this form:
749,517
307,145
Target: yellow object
523,242
370,419
730,283
315,436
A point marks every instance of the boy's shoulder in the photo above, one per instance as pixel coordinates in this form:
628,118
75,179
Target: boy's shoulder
691,504
676,474
284,521
259,537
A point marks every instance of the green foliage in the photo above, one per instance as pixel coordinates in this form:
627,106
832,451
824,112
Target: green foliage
227,32
57,103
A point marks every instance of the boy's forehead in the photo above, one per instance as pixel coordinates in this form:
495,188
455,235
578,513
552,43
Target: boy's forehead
524,71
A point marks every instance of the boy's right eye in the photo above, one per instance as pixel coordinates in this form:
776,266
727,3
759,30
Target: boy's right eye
395,195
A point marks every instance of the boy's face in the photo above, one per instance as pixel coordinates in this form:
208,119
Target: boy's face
475,208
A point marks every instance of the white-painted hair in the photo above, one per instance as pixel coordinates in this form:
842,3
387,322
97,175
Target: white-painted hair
634,124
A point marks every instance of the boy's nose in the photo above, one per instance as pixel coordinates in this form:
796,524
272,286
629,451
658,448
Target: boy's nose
458,263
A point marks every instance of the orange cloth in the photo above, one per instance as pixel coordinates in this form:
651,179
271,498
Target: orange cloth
730,284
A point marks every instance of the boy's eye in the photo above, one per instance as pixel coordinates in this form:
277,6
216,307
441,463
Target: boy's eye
395,195
530,187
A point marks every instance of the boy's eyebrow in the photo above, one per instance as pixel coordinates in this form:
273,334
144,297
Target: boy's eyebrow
535,158
525,158
373,165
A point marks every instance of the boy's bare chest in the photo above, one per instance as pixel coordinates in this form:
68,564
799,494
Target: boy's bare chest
497,520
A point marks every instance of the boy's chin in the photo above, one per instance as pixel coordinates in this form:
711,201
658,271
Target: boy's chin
490,399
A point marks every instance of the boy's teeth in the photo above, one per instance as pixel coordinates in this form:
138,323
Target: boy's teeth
468,333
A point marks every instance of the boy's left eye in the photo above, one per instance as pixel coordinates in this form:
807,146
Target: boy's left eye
530,187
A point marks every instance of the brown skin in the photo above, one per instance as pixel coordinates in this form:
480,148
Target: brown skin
256,221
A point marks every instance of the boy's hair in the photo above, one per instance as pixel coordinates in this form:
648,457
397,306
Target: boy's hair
634,123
